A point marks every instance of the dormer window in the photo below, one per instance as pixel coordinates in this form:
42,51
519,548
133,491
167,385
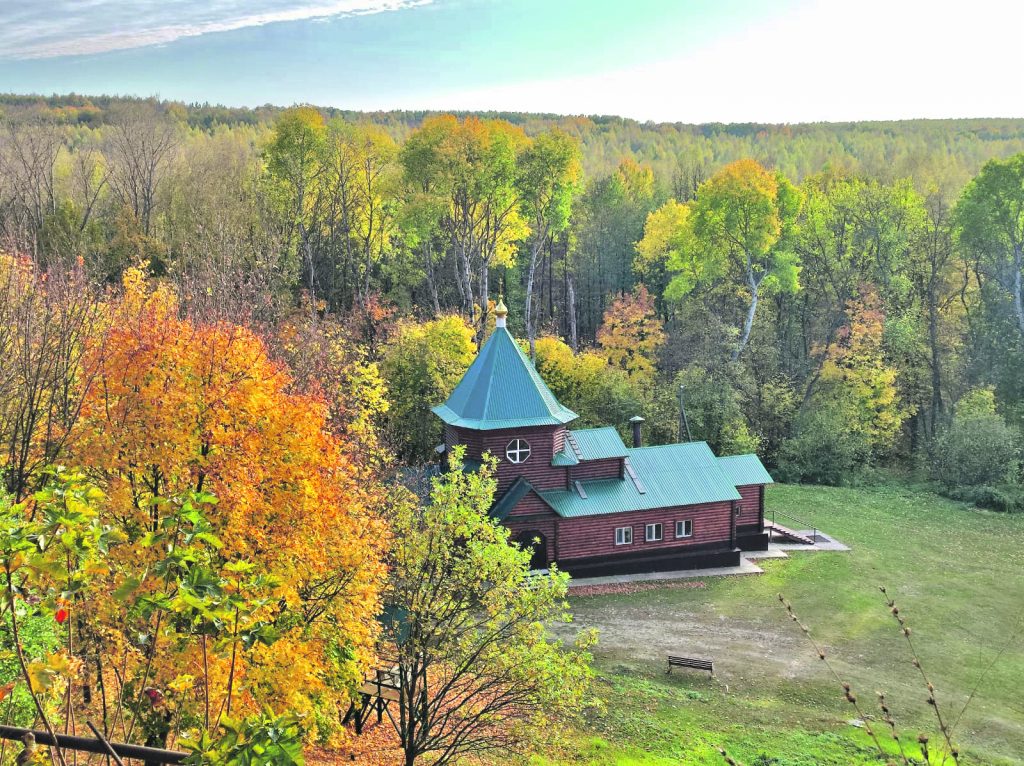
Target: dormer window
517,451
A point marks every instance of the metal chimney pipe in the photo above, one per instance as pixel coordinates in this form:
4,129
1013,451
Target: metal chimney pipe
636,421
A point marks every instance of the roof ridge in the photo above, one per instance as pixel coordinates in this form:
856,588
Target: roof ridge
665,446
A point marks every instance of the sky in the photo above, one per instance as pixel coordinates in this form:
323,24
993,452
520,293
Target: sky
661,60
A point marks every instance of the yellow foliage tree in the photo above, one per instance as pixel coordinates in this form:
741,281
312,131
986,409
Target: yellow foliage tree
631,335
178,408
856,372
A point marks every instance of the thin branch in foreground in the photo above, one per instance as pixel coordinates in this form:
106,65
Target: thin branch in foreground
933,702
847,689
728,758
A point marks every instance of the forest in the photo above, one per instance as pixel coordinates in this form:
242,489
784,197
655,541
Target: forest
217,314
828,294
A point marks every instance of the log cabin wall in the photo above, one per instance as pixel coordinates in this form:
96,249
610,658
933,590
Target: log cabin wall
544,441
588,536
750,505
531,505
607,468
547,527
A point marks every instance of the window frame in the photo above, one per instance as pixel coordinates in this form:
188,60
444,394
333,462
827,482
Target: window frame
520,444
685,523
624,530
661,532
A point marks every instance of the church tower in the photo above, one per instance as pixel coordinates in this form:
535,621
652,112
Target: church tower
502,406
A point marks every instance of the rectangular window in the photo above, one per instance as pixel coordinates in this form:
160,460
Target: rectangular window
624,535
684,528
653,533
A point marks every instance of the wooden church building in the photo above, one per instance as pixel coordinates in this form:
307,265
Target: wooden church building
581,497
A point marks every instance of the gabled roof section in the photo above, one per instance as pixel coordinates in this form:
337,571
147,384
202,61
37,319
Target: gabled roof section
744,470
598,443
501,389
670,475
565,458
519,489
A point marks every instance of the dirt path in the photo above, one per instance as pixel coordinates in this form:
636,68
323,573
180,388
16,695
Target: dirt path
639,631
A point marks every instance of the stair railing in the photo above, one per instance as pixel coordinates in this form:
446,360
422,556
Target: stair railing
801,522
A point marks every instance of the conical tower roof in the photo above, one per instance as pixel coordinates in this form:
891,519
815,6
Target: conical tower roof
501,389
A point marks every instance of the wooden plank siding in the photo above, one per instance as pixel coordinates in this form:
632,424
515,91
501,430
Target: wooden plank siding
531,505
750,505
544,441
589,536
606,468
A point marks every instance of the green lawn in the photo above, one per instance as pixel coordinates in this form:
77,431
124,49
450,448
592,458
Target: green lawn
958,578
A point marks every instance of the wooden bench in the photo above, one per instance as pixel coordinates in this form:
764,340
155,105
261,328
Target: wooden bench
690,662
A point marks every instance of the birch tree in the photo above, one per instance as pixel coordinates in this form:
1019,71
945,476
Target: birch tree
549,178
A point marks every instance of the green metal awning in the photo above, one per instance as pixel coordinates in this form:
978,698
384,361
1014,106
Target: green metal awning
745,469
564,458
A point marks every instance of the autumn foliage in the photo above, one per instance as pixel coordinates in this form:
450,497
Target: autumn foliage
219,549
180,407
631,334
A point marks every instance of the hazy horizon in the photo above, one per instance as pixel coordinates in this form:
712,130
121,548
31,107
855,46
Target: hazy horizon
736,61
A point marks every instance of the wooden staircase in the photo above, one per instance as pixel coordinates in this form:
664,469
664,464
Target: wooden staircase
777,529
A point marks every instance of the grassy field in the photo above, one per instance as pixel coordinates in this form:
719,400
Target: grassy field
957,574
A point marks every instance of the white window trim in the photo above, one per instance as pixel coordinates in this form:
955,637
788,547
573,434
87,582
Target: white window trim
521,446
661,532
684,522
628,532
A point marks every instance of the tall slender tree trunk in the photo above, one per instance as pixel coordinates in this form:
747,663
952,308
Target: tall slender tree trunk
748,323
936,363
428,266
1018,289
467,279
485,291
531,331
573,337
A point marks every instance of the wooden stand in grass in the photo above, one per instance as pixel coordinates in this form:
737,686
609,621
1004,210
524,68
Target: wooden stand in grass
376,694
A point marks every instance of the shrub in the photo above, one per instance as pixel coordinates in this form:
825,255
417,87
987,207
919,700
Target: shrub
1006,498
976,451
824,449
715,412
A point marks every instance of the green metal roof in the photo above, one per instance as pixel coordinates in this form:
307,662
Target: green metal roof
501,389
565,457
745,469
669,475
598,443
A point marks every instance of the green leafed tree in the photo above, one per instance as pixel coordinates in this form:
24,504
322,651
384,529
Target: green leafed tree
296,162
422,364
480,671
468,169
990,222
548,179
666,241
741,225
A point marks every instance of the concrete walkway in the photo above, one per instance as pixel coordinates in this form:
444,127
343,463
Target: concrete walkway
824,543
745,567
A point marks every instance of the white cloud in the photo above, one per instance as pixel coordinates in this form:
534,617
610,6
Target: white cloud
869,59
34,29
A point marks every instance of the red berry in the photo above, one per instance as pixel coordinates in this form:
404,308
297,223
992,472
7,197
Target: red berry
62,615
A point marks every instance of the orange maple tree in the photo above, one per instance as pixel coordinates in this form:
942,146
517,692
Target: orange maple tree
179,408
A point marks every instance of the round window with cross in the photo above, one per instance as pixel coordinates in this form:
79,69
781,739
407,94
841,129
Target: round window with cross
517,451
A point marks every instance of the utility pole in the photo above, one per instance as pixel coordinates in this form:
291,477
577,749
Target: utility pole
684,424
